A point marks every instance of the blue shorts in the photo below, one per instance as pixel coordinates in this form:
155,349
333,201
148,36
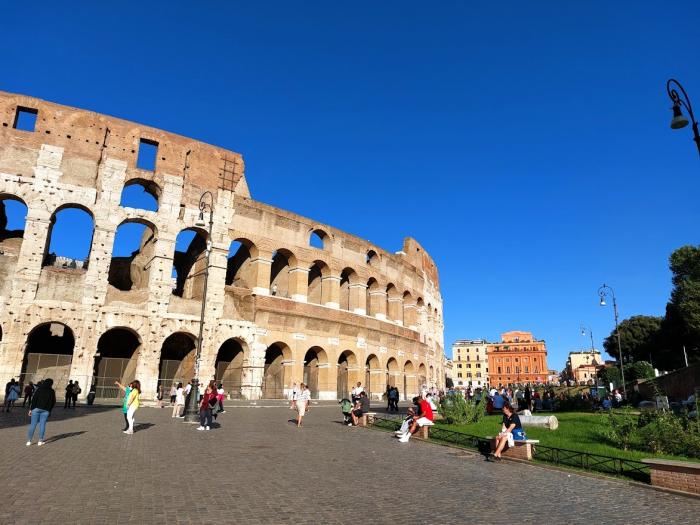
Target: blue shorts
518,434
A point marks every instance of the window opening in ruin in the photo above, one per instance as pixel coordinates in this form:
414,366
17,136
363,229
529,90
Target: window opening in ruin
239,270
189,263
70,239
49,353
394,311
132,255
142,195
372,301
115,360
372,377
312,377
13,213
315,282
347,301
274,380
317,239
148,153
25,119
229,367
372,258
344,382
176,360
279,273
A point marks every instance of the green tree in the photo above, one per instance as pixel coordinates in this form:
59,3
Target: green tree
640,337
609,375
639,370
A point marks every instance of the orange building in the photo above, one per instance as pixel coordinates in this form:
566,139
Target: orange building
518,359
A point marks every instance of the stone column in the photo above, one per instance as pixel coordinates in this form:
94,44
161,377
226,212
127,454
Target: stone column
261,268
298,284
358,298
395,309
409,316
330,291
377,300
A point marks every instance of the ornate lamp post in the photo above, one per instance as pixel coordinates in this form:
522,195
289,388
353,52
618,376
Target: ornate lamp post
603,292
679,121
192,410
587,330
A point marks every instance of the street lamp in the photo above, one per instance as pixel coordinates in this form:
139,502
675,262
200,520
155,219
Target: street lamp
192,411
679,120
603,292
587,330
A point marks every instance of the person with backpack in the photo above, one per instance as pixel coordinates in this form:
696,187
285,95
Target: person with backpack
208,402
11,394
74,393
346,409
43,401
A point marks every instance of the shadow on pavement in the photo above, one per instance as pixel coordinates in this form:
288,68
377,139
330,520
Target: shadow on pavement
20,417
64,436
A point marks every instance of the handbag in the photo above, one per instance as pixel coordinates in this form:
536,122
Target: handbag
213,401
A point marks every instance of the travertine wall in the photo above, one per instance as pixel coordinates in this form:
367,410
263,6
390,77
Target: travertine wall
82,159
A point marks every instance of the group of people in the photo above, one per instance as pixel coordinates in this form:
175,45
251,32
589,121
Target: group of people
392,398
72,391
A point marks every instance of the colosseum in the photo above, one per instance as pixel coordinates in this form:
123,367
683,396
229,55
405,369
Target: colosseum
283,298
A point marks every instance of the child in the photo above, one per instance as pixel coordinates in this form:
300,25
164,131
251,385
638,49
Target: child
346,407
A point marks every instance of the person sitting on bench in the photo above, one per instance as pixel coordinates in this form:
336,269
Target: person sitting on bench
511,431
361,408
425,418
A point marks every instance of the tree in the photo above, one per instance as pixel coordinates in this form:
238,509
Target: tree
640,337
639,370
610,374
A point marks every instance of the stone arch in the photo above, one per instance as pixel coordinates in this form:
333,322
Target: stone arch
372,259
115,360
374,378
189,262
317,273
48,353
409,310
140,194
239,267
394,310
422,378
13,213
132,255
393,373
347,373
177,356
283,261
409,380
348,299
69,240
319,239
229,365
373,301
277,371
316,372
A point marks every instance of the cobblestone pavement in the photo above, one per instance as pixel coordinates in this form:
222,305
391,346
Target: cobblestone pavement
259,468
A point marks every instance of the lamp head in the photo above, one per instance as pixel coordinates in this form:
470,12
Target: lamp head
678,121
200,220
602,301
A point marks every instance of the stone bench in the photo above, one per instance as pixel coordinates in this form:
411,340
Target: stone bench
523,449
675,475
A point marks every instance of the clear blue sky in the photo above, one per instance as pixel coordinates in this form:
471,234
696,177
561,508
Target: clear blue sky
525,145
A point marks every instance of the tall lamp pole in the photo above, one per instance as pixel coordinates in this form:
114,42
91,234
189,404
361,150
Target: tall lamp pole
192,411
587,330
679,121
603,292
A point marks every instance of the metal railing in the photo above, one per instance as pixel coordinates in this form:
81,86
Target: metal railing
628,468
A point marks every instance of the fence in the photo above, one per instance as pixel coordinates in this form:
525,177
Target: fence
558,456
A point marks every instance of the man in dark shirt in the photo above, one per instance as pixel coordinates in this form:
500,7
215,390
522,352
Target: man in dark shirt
361,408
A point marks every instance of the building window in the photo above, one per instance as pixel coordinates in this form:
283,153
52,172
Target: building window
507,370
527,369
469,375
25,118
459,365
478,365
499,369
478,374
148,151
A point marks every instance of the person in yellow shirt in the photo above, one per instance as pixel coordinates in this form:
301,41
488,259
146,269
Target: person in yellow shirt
132,404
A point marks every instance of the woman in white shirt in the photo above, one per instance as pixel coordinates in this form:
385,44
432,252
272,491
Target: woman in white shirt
179,400
302,402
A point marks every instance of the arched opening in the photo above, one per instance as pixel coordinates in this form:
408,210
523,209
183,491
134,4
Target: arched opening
115,360
318,239
422,376
70,238
277,356
431,377
393,304
346,361
409,310
189,263
229,367
318,271
420,310
409,381
176,360
141,194
132,255
373,377
348,277
48,353
372,259
13,215
372,298
282,262
314,359
392,372
239,267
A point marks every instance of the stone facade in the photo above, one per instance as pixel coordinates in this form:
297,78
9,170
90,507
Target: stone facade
277,311
518,359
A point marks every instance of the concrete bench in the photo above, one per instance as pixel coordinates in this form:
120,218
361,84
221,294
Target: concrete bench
522,450
675,475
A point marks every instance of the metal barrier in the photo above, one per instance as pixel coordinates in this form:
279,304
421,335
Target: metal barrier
628,468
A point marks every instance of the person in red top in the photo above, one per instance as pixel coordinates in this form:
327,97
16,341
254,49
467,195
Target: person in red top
425,418
208,401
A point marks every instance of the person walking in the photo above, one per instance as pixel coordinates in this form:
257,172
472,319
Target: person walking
11,394
28,393
220,394
132,405
127,390
205,407
69,393
293,397
179,401
42,402
302,403
173,394
74,393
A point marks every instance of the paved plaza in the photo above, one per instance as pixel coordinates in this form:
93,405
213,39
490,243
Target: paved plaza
259,468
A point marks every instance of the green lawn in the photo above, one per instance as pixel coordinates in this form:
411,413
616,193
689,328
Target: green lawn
580,431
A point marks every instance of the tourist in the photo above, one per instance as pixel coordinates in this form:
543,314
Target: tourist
355,394
69,394
361,408
406,424
179,401
11,394
159,396
528,397
74,393
293,397
346,409
28,393
132,405
511,430
220,394
42,402
173,394
125,408
498,401
394,396
607,404
425,418
388,398
205,408
302,403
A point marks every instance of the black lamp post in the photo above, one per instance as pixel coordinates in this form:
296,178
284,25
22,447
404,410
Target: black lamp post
192,410
679,121
603,292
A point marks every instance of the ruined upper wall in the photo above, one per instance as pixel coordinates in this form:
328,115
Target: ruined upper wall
89,137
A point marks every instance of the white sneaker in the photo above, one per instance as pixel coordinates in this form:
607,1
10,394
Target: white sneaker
405,438
207,428
40,443
200,428
29,443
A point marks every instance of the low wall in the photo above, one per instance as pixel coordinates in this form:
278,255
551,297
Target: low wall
676,385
